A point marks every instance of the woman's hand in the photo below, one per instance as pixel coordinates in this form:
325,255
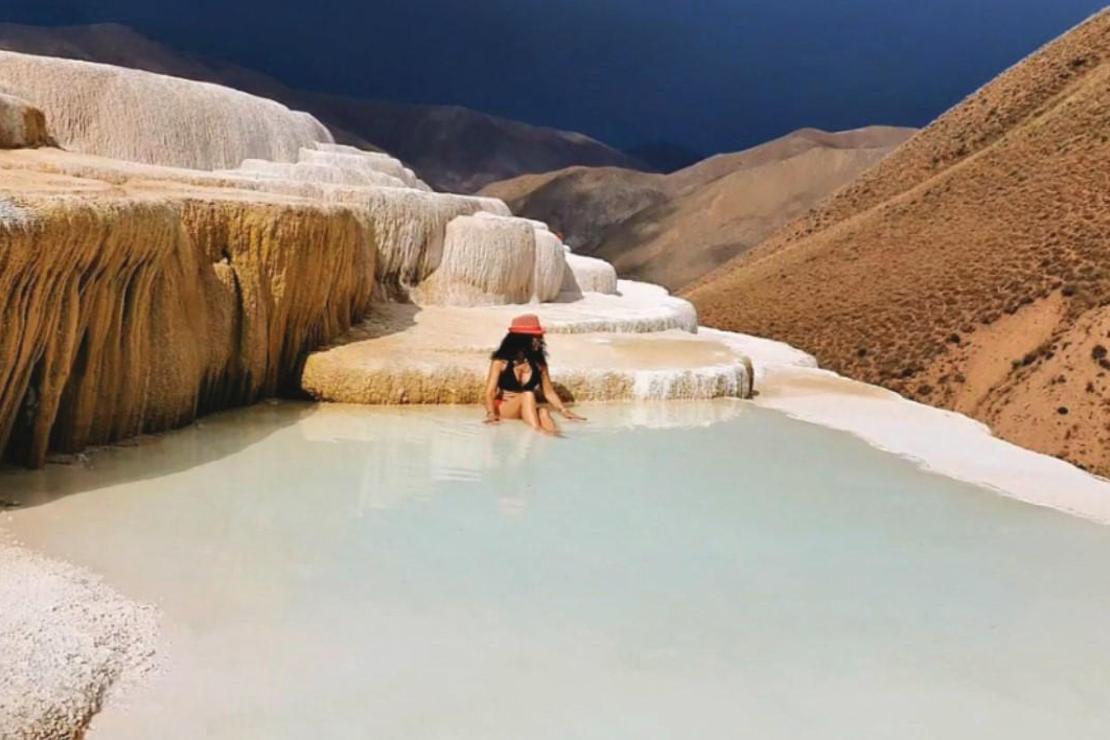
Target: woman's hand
491,418
573,416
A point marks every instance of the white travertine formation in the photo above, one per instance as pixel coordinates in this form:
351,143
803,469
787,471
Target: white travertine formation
410,226
588,275
65,639
551,264
145,117
325,146
358,160
440,354
634,308
316,173
539,225
336,165
485,261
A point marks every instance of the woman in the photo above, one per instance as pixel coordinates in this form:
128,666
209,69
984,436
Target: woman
518,378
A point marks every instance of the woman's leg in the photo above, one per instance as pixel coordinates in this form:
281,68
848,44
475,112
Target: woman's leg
529,410
547,421
510,406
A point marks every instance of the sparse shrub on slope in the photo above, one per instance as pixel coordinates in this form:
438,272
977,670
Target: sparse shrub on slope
988,233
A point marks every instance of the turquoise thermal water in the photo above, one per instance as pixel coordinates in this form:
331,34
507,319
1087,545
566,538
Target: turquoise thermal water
341,572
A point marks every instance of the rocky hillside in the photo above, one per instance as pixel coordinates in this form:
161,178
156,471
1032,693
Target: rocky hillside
971,268
457,149
451,148
671,229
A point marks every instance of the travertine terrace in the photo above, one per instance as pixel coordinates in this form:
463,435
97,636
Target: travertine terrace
636,344
138,296
969,269
153,118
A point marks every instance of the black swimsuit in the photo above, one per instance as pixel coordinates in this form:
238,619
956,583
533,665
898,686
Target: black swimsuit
508,381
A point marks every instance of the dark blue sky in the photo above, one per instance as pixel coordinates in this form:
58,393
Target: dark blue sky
714,75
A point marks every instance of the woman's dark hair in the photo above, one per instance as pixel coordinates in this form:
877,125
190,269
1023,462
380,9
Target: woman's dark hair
518,347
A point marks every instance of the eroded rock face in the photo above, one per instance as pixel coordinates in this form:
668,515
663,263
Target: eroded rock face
136,297
130,314
485,261
551,266
21,124
144,117
588,275
410,226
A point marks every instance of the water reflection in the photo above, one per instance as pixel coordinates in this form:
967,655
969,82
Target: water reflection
424,446
230,500
414,573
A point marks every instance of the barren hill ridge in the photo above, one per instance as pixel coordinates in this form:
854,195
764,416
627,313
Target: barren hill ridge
671,229
970,269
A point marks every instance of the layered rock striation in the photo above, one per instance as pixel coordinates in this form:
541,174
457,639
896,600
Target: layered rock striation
125,314
144,117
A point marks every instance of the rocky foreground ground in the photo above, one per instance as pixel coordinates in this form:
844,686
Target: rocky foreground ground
66,639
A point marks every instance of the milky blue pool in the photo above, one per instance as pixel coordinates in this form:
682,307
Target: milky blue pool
340,572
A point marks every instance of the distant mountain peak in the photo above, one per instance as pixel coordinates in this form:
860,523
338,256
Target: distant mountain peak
665,156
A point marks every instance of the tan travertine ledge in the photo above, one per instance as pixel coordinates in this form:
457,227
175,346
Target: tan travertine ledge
439,354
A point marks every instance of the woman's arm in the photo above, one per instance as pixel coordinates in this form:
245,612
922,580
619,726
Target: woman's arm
552,397
495,368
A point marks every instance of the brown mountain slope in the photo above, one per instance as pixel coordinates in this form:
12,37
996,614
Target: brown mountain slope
582,202
677,242
671,229
970,269
450,147
461,150
785,147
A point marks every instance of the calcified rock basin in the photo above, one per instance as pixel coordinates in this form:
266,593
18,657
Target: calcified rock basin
641,344
707,569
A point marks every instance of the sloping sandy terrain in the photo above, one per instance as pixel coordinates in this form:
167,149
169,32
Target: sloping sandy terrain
671,229
970,269
676,242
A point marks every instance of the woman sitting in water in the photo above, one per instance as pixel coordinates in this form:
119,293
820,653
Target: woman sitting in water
517,370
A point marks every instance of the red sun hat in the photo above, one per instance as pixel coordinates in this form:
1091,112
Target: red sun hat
527,323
